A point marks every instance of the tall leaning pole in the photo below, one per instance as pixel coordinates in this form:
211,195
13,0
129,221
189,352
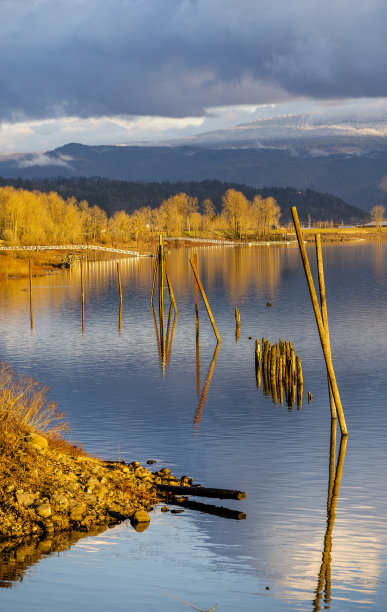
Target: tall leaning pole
323,336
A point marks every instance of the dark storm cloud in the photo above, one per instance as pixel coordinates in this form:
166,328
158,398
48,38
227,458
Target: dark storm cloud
178,57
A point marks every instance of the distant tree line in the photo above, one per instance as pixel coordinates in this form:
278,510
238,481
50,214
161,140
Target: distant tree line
29,217
116,195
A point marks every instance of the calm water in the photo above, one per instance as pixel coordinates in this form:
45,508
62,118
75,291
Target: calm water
219,428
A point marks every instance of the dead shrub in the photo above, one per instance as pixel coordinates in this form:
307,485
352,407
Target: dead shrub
24,407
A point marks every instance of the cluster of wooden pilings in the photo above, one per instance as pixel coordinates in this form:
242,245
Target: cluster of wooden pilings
278,369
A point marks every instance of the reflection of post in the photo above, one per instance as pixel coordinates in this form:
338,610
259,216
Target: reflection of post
161,296
171,294
198,414
205,299
83,299
120,317
154,276
324,314
156,331
197,366
320,325
169,349
31,311
195,259
324,576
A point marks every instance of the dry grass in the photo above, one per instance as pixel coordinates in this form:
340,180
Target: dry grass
24,407
15,263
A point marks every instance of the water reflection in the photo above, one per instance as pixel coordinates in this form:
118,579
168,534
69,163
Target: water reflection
279,459
324,577
17,556
203,395
164,341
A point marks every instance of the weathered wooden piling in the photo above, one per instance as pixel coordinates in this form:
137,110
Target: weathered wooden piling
281,371
83,298
31,309
205,299
203,492
320,325
119,280
324,314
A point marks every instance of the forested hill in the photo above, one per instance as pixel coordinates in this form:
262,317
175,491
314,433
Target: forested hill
113,195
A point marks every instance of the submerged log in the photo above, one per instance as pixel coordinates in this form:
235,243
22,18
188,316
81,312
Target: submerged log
210,509
202,491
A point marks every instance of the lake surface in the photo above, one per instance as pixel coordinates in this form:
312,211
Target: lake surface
309,541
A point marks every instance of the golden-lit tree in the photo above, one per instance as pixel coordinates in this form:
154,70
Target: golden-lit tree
237,210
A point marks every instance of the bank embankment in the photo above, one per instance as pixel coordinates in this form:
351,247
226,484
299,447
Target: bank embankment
48,484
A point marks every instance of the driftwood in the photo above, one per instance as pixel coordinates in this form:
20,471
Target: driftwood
209,509
202,492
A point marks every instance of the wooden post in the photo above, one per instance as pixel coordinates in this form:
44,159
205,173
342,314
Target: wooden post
83,299
324,313
320,325
119,280
205,299
31,310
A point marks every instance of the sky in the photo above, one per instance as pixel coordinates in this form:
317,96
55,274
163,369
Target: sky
123,71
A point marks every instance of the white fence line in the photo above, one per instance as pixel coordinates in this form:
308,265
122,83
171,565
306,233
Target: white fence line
69,247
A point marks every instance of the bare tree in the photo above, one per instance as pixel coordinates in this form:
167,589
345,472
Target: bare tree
377,215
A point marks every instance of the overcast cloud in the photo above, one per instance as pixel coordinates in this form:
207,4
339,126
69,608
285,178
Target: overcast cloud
177,58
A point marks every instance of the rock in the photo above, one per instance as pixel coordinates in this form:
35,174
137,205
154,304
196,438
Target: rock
165,471
184,480
164,509
36,441
77,510
141,516
43,510
60,501
151,461
92,483
177,511
48,526
24,499
101,492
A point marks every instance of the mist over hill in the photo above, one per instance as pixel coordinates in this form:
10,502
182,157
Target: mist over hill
345,158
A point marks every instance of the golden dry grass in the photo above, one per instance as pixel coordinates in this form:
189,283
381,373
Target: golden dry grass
25,408
16,263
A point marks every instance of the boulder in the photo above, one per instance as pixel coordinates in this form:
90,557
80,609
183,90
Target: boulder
141,516
37,442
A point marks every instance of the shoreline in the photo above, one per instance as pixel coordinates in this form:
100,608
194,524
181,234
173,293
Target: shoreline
14,264
49,488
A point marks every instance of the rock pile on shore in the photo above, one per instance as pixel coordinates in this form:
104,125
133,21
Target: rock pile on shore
49,489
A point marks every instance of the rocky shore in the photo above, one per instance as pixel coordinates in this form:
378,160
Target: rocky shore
48,487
